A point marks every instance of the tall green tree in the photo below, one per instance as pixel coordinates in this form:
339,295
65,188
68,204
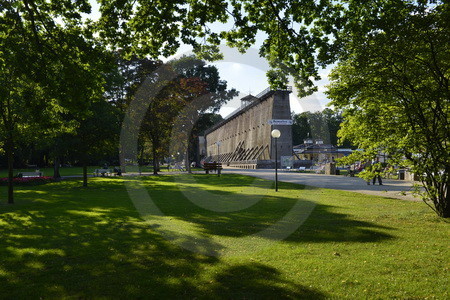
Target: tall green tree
174,96
47,68
394,89
97,135
205,93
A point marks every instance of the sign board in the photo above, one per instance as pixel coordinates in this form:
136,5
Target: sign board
280,122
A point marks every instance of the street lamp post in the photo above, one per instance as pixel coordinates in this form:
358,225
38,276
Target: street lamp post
276,134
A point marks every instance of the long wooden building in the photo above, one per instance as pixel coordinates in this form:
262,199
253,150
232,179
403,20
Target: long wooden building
244,138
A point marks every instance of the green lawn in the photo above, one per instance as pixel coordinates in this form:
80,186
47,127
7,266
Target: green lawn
64,241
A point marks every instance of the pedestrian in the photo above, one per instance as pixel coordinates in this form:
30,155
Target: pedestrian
378,170
377,176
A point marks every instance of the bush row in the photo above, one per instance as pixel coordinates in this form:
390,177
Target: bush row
28,180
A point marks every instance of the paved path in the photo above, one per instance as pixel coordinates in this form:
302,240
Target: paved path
399,189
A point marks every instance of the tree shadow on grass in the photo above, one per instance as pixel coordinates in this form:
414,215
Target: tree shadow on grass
91,243
258,281
232,180
310,221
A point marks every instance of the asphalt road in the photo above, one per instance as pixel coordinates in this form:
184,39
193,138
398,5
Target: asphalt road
399,189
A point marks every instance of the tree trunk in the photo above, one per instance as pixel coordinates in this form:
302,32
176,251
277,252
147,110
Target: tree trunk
56,173
158,165
443,209
155,162
122,158
10,155
85,181
187,162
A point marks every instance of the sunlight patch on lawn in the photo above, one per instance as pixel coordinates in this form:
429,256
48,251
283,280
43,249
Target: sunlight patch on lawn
35,265
86,213
34,251
17,191
25,236
17,219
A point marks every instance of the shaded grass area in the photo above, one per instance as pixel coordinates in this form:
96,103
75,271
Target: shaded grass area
78,171
61,240
64,171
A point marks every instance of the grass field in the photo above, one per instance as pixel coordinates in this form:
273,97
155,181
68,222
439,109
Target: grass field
63,241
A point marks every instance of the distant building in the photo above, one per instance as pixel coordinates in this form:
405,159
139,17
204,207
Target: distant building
318,152
244,138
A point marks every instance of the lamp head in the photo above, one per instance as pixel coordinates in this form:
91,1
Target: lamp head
275,133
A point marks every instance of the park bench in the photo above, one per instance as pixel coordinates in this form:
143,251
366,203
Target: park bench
103,172
30,174
212,166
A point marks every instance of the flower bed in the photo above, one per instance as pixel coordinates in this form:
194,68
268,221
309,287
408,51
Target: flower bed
28,180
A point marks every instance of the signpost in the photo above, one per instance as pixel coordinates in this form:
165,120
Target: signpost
280,122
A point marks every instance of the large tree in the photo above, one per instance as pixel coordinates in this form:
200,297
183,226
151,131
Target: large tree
205,93
48,61
394,89
194,88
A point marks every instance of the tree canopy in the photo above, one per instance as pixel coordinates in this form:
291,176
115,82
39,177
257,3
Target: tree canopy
394,89
51,69
323,125
169,99
300,37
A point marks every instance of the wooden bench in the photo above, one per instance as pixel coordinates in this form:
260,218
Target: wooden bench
30,174
103,172
212,166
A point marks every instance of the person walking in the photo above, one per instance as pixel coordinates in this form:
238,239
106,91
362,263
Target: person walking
378,171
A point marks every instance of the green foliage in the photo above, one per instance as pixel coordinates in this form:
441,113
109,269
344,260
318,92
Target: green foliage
51,71
322,125
395,95
169,99
298,37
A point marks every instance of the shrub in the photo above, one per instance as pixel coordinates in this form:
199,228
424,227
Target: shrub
28,180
